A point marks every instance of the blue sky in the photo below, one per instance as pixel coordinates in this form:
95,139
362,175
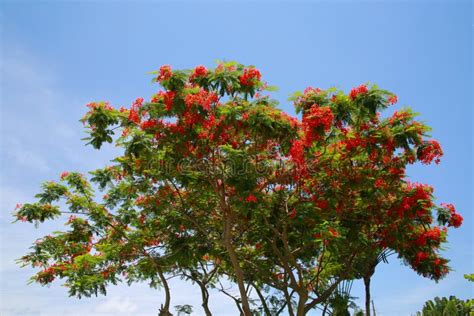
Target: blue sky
59,55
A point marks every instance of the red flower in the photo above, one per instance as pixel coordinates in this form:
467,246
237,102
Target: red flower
333,232
133,116
292,120
168,99
421,240
250,77
433,234
203,98
297,152
355,142
429,151
455,220
311,90
138,102
379,183
199,71
165,73
318,117
420,256
322,204
392,99
148,124
64,174
251,198
362,89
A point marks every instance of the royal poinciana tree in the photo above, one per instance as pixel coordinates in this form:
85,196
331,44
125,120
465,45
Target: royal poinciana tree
218,186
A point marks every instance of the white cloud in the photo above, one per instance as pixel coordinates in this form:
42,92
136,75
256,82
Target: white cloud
17,152
117,304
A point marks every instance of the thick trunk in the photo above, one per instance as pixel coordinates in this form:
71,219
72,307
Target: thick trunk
302,304
367,295
235,265
165,309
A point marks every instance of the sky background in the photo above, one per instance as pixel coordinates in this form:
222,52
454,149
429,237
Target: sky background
57,56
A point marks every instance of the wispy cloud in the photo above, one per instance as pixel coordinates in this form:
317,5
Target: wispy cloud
117,304
20,154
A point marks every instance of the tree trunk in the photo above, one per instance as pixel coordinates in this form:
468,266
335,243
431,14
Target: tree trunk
235,265
165,309
302,304
367,294
205,299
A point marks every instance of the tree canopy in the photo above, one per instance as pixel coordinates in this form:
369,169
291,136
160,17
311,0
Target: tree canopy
216,183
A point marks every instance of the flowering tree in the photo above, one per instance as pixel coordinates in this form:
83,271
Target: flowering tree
215,183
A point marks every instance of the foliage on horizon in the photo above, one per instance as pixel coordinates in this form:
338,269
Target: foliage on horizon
447,306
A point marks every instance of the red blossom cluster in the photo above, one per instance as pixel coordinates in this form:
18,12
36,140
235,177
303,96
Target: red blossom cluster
456,219
133,115
310,90
296,152
165,73
293,120
401,116
322,204
198,72
94,105
433,234
416,203
420,256
431,150
392,99
207,125
250,77
251,199
203,98
315,121
149,124
333,232
354,142
166,97
362,89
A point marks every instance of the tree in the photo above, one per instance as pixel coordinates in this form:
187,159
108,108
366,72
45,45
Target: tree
447,306
216,183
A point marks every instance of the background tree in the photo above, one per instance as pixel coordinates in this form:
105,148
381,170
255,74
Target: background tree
215,183
447,306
